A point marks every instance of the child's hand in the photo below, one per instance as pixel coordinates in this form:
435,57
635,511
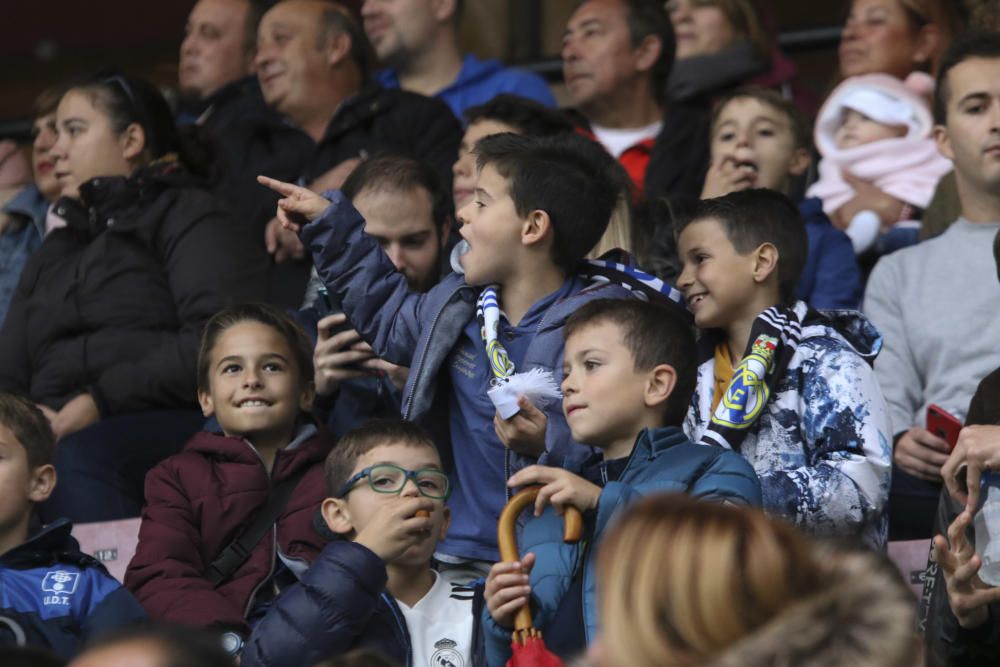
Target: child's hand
560,487
523,433
724,176
298,206
968,596
395,527
507,590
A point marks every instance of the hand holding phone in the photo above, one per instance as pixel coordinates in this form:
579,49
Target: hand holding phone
943,424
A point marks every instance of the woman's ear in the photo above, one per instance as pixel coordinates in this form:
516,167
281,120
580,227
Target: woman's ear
133,141
337,516
928,41
765,261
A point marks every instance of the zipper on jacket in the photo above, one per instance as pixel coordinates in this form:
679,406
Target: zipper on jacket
256,589
401,626
423,352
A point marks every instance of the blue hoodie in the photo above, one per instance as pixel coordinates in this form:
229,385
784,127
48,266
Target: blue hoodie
479,81
831,278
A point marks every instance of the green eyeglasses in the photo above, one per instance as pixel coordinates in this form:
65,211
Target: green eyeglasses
389,478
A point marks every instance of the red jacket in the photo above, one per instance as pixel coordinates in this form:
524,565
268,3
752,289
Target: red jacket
197,503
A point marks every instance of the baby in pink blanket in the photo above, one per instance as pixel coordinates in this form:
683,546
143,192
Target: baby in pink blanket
877,128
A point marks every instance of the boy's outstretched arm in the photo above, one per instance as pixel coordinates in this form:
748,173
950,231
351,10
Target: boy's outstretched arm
375,296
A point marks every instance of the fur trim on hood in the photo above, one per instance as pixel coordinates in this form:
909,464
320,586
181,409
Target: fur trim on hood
864,616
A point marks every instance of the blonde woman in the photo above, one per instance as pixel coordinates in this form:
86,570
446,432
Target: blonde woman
687,583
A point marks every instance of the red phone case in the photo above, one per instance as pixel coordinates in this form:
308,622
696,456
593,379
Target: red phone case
943,424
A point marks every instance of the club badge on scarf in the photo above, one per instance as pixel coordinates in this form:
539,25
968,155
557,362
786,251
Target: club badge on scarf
537,385
747,392
774,337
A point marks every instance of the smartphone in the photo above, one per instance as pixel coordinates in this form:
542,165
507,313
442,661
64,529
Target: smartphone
943,424
326,305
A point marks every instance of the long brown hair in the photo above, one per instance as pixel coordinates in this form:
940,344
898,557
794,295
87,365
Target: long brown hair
683,579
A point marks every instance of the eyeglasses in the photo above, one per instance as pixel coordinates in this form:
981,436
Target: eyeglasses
389,478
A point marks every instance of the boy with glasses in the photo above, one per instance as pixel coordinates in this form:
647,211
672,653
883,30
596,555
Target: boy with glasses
375,588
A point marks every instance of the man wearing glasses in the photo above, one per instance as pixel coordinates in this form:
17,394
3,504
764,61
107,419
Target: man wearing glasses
374,588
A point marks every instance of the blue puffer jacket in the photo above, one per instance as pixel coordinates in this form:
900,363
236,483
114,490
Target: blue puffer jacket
663,460
52,596
339,605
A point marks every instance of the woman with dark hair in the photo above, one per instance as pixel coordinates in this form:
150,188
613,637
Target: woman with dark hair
103,327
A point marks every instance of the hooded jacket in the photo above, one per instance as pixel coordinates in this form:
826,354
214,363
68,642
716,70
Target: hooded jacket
822,446
663,460
114,303
342,604
479,81
56,598
198,502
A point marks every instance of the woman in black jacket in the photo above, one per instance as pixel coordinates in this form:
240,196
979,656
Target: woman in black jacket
103,328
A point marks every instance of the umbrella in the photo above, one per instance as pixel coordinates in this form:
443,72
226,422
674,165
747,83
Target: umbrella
526,640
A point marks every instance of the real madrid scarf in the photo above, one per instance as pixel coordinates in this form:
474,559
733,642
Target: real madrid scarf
774,337
488,314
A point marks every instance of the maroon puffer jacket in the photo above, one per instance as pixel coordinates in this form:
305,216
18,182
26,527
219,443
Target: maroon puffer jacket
197,503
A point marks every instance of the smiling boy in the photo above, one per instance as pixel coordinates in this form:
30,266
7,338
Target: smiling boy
386,494
790,389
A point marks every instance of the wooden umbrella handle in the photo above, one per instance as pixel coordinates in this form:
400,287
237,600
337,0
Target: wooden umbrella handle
506,538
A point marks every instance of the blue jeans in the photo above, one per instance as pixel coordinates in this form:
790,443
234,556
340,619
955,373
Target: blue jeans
102,469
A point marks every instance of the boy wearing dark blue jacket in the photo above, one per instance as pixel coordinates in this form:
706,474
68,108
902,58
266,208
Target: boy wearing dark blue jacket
374,587
54,597
540,206
628,375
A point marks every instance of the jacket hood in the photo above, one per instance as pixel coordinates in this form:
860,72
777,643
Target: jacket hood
107,197
881,97
861,615
308,445
848,326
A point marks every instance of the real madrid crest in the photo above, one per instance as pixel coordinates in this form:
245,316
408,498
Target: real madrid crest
446,655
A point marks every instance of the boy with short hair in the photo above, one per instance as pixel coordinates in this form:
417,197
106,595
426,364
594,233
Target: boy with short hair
761,140
540,205
54,596
789,388
386,494
629,373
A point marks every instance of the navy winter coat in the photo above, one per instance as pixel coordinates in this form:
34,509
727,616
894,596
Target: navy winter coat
340,604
